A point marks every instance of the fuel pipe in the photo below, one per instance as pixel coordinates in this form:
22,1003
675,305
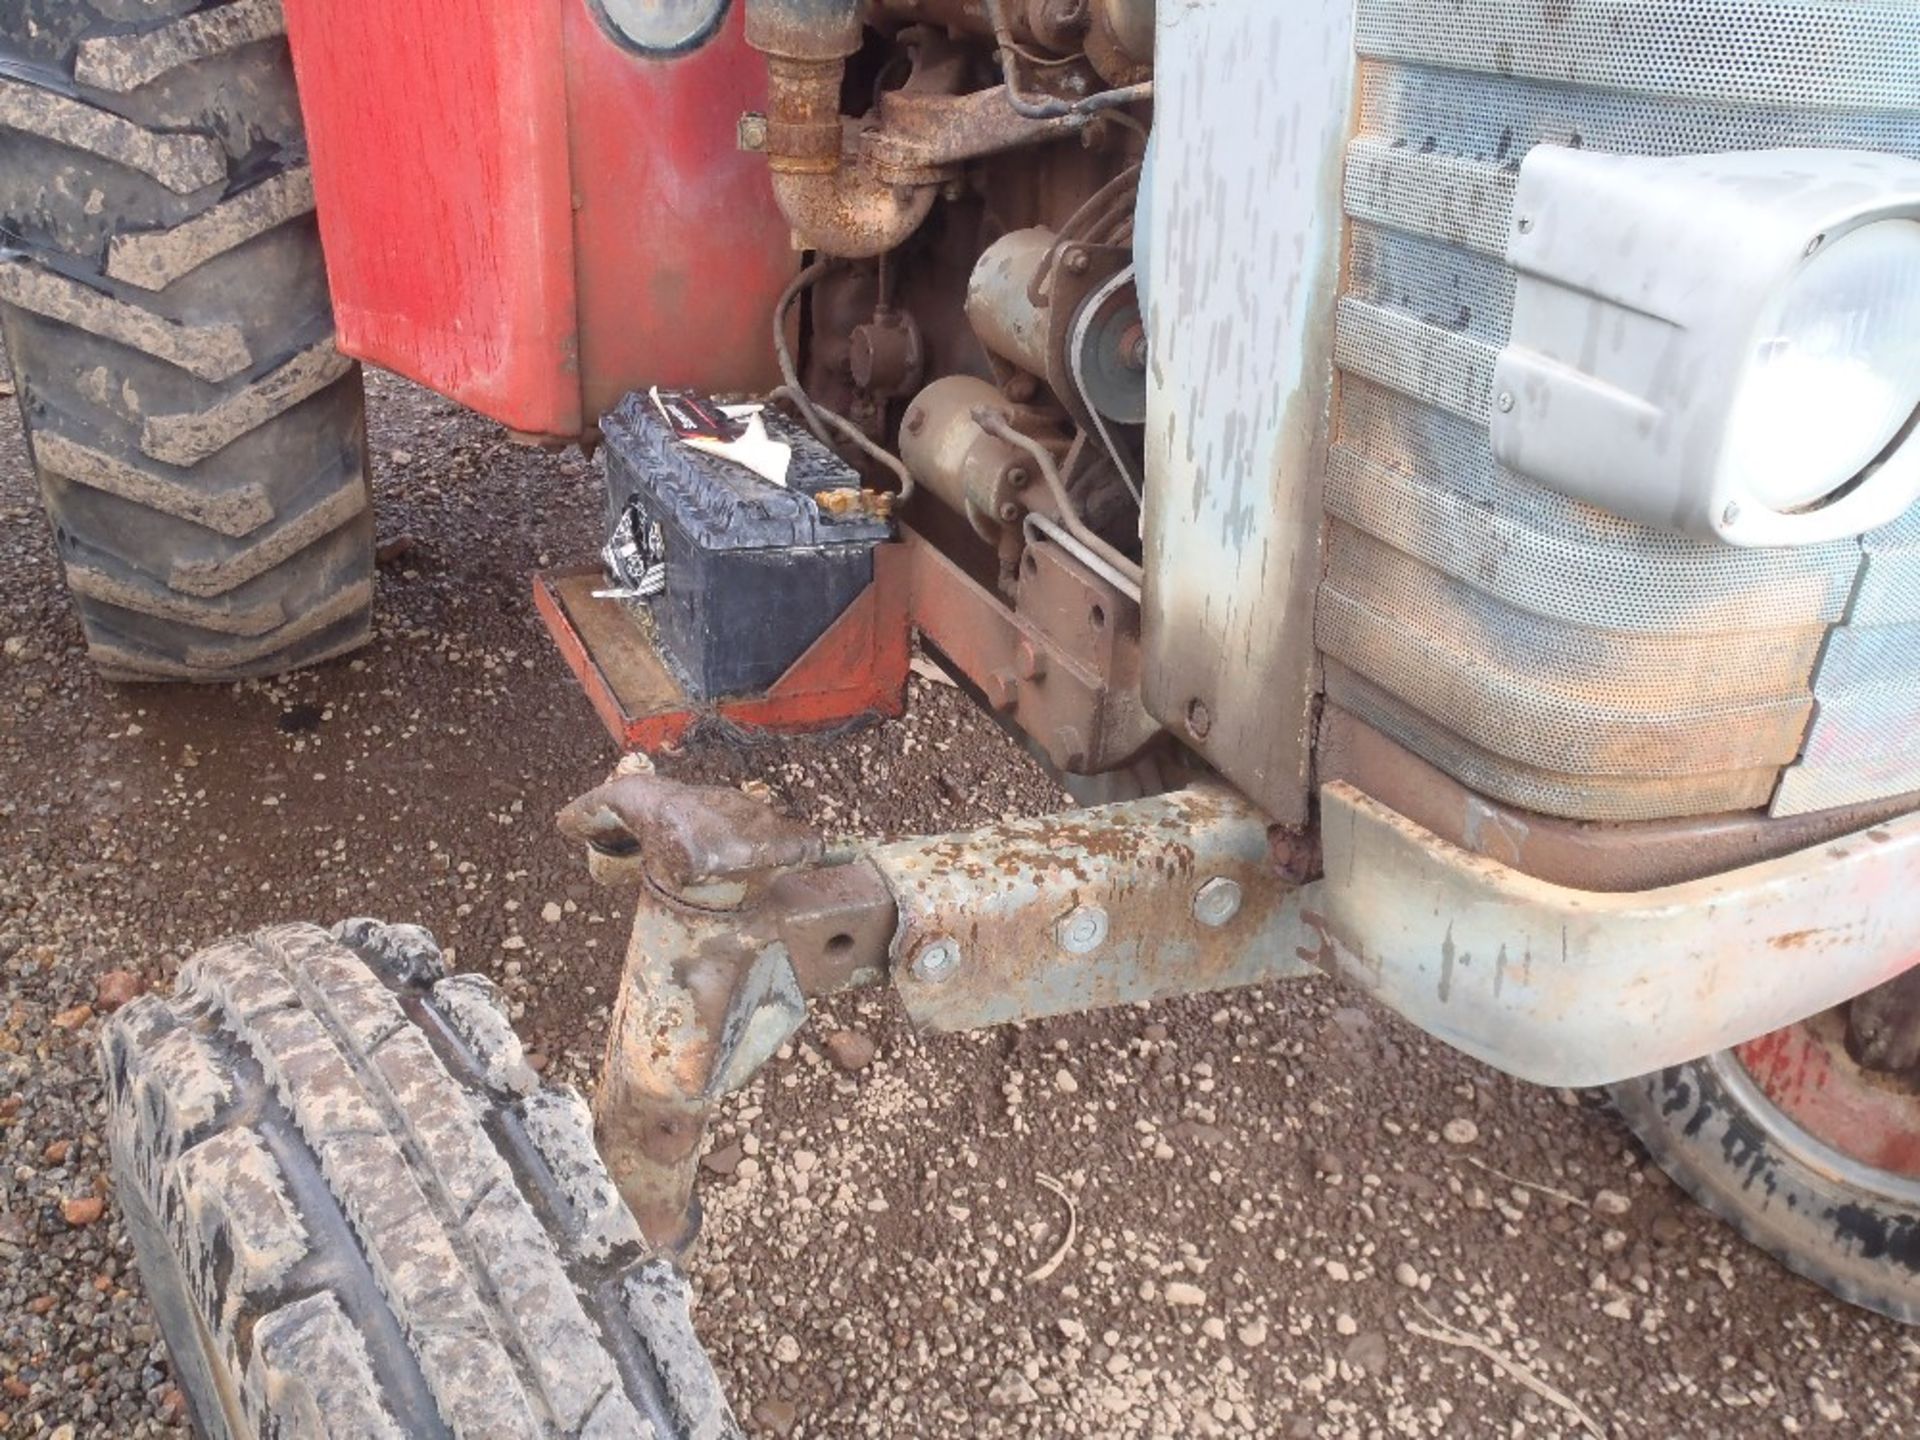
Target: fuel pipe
1049,107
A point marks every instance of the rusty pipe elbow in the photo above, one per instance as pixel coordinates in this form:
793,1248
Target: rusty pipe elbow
822,180
849,212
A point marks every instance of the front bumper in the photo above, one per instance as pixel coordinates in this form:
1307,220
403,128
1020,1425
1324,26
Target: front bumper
1571,987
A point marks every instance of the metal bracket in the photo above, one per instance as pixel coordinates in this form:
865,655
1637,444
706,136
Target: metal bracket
1171,895
742,914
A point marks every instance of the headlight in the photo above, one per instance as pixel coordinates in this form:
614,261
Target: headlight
1834,374
1726,345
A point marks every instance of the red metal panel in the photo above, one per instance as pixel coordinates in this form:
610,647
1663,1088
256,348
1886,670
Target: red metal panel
477,241
682,250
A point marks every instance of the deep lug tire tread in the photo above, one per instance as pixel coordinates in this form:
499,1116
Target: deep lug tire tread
200,443
382,1220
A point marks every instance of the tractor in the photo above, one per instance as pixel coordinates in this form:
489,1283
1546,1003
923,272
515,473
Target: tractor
1437,483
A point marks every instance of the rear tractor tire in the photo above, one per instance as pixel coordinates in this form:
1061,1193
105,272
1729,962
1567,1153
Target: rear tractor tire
199,443
358,1212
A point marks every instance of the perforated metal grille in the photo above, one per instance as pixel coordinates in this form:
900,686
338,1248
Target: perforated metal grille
1540,650
1552,792
1865,738
1857,55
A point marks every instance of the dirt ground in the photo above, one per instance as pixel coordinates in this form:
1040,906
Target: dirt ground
1271,1236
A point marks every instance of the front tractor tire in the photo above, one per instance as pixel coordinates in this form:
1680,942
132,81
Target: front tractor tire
358,1212
1806,1152
199,443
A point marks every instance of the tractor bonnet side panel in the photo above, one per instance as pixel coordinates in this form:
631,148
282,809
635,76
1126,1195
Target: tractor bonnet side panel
526,214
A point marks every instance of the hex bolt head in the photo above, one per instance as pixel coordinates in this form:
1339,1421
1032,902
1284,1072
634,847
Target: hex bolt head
936,960
1217,902
1082,930
1078,262
1029,661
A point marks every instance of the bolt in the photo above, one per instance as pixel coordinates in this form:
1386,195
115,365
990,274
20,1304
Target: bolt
751,132
1083,930
1506,401
1133,348
1526,224
1199,719
1029,661
937,959
1078,262
1216,902
1009,513
1731,513
1002,689
1017,478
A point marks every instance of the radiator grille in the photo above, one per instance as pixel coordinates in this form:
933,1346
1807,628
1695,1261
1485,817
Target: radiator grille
1538,649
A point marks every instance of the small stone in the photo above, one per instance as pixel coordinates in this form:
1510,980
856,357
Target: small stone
850,1050
73,1018
1072,1331
78,1210
1180,1292
1611,1202
1012,1389
394,549
1214,1328
514,942
1406,1275
1064,1082
1460,1131
1253,1334
786,1350
537,1062
723,1161
1338,1271
56,1152
550,912
805,1161
117,988
1828,1408
1345,1324
779,1416
1367,1352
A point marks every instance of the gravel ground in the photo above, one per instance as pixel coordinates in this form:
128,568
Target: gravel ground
1290,1213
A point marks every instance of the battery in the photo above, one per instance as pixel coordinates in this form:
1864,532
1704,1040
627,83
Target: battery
754,572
